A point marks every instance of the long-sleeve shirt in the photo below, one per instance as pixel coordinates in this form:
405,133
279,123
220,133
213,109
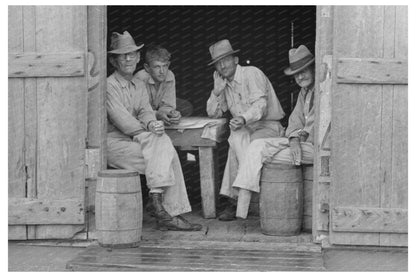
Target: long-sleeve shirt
303,115
128,108
163,98
250,95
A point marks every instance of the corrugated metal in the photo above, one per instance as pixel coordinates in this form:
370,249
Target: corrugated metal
263,33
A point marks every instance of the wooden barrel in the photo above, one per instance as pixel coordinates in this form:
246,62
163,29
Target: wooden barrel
307,197
118,208
281,199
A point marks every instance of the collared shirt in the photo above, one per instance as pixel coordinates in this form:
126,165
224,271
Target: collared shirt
128,108
303,115
164,98
250,95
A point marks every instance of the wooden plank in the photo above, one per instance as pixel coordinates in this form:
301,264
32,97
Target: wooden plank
62,114
31,135
371,71
92,162
207,173
45,64
97,80
16,157
356,120
353,219
395,193
323,85
36,211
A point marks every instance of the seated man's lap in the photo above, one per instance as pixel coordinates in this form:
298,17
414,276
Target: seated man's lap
125,154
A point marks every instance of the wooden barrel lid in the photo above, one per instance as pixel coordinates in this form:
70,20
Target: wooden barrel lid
115,173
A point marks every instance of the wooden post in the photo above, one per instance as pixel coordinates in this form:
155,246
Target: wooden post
323,85
97,120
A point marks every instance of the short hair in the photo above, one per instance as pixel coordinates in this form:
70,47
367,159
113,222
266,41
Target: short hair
158,53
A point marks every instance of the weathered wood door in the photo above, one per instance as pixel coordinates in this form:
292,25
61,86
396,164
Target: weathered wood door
368,166
47,120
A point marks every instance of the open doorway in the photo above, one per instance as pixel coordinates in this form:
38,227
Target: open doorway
264,34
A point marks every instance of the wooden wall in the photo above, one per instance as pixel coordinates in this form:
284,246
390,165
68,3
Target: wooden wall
368,199
47,120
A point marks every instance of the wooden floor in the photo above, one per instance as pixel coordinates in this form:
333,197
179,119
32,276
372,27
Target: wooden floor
220,246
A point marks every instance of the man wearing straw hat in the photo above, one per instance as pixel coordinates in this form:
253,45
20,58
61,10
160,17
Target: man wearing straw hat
136,140
248,94
297,147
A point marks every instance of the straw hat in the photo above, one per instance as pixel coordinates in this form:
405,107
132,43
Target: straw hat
220,50
299,58
123,43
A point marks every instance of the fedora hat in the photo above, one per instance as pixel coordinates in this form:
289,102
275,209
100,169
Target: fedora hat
299,58
123,43
220,50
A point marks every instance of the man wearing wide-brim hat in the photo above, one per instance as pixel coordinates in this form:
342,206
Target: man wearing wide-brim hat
136,140
297,147
256,112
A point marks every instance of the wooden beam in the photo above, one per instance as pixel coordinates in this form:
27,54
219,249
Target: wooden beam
46,64
372,220
371,71
36,211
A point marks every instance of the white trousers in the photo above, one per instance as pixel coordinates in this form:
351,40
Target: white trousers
246,159
155,157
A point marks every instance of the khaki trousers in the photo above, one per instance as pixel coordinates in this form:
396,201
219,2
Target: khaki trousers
240,142
156,158
271,150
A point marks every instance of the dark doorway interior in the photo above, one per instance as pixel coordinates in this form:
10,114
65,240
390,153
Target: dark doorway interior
263,33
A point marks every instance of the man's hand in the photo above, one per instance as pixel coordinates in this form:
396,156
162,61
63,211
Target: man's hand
157,127
174,117
219,84
295,150
162,115
237,122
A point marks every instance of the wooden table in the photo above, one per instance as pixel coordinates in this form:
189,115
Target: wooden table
190,139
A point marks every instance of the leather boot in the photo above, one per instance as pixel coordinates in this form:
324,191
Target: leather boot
166,222
228,213
155,208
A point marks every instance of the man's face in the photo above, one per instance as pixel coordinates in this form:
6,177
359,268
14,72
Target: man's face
227,66
126,63
158,70
305,78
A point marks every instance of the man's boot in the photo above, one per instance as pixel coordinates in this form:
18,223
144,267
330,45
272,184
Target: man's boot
164,220
228,213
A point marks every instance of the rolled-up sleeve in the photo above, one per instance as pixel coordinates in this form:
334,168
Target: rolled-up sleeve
257,85
216,105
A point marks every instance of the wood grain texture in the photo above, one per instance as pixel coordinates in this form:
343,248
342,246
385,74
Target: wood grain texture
208,181
33,211
281,200
119,210
372,71
369,220
16,122
62,109
356,120
46,64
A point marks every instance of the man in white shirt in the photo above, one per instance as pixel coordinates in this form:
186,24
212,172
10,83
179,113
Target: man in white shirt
248,94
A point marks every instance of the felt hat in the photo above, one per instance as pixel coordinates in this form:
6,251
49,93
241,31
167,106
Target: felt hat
220,50
299,58
123,43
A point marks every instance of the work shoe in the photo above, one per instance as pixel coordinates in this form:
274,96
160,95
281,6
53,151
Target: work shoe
155,208
228,213
177,223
